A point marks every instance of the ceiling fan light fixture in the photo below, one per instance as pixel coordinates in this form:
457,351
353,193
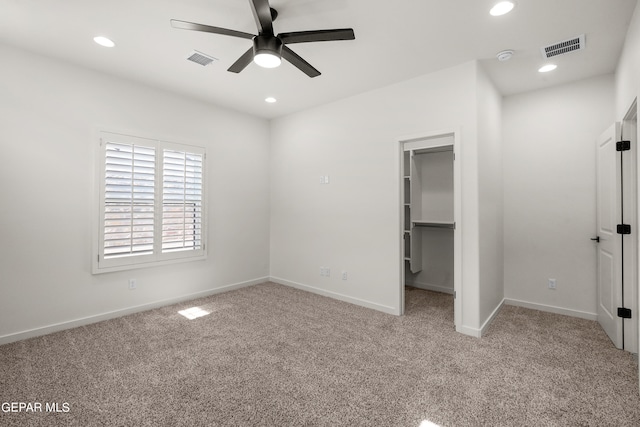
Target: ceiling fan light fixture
267,60
267,51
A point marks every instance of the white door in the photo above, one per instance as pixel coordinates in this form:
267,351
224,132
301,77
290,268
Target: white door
608,214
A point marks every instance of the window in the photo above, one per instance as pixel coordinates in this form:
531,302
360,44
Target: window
152,207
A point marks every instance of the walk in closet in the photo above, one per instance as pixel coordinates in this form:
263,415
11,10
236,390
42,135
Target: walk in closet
429,213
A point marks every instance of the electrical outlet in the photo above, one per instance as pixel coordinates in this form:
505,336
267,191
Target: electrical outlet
552,283
132,284
344,275
325,272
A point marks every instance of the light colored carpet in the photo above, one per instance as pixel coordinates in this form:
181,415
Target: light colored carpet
270,355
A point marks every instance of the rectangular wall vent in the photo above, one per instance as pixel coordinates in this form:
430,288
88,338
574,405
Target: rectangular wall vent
563,47
200,58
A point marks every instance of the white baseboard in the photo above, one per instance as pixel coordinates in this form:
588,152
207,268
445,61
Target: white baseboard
478,333
44,330
335,295
552,309
487,323
430,287
472,332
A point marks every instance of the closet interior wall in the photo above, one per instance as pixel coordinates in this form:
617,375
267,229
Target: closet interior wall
429,213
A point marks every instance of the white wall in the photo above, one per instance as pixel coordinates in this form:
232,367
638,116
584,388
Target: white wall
549,193
48,114
353,223
628,70
489,122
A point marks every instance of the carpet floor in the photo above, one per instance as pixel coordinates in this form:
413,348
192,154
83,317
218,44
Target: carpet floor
270,355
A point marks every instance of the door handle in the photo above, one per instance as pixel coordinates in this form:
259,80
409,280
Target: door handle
596,239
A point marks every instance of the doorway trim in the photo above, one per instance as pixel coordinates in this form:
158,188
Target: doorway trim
631,297
457,216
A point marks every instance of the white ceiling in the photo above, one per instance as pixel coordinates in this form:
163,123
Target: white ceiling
395,41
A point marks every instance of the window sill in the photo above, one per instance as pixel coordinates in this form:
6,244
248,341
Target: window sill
97,269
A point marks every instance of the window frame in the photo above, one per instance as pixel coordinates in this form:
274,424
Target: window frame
100,264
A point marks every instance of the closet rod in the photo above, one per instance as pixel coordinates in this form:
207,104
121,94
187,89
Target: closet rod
435,224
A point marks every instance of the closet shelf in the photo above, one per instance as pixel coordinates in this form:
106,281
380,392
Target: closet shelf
434,224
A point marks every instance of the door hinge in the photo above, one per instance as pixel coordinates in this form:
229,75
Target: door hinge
623,145
624,229
625,313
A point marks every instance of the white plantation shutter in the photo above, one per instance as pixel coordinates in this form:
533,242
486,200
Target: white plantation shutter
181,201
151,203
128,200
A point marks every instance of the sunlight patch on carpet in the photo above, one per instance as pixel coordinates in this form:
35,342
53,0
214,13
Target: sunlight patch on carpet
427,423
194,312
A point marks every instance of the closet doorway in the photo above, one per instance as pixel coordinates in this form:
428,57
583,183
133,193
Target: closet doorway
430,231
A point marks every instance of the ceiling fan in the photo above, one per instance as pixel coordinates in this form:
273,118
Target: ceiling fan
268,49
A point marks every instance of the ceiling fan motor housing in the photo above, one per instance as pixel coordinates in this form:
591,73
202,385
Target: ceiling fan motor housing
267,44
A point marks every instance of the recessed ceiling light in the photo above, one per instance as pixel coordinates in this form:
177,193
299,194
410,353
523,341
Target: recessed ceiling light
547,68
501,8
270,100
103,41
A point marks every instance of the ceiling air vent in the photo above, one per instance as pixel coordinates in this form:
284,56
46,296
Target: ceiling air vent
566,46
200,58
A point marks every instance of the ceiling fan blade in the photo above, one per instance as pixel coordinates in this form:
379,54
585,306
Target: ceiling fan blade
298,62
317,36
242,62
184,25
262,14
